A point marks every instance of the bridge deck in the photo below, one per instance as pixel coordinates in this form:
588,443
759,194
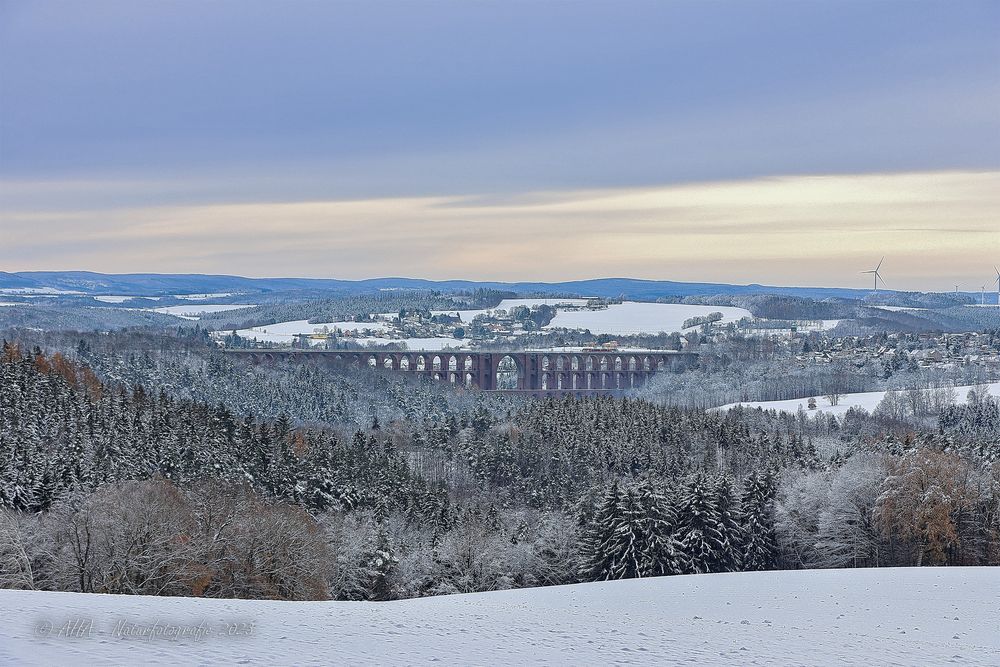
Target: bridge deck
527,371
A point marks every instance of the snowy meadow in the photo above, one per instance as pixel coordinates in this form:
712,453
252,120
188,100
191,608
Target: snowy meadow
930,616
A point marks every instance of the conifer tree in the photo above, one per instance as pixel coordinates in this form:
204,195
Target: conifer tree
699,529
596,564
663,554
730,526
760,544
630,536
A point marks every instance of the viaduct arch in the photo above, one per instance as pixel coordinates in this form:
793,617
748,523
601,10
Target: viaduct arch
536,372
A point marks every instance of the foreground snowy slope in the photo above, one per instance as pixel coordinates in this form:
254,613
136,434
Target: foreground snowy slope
929,616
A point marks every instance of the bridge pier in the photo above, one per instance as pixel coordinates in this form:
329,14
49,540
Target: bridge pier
537,372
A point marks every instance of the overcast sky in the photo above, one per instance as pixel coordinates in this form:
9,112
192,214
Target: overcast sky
768,142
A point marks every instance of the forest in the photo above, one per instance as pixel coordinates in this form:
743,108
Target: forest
142,464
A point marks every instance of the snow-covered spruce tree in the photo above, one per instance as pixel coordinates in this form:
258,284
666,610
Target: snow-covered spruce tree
382,562
759,546
630,536
730,526
699,527
663,552
598,562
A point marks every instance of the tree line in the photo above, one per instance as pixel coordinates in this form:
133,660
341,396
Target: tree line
116,487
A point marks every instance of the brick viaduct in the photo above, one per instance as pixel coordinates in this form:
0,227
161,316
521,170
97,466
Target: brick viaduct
537,372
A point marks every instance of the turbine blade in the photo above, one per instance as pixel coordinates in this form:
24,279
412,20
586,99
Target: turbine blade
880,263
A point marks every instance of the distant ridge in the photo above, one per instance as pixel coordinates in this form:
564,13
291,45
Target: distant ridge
167,283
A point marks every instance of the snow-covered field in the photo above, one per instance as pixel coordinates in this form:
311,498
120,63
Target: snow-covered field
817,325
617,319
285,332
802,325
193,311
896,309
37,291
868,400
906,616
637,318
122,298
113,298
199,297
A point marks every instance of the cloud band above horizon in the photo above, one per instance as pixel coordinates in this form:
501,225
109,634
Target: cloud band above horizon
937,229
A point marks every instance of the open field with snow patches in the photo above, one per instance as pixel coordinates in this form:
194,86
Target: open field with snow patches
637,318
286,332
630,317
197,297
120,298
893,616
37,291
617,319
868,400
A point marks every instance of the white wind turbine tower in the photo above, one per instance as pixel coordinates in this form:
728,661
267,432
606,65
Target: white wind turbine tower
875,272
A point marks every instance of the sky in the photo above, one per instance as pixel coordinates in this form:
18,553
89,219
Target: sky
788,143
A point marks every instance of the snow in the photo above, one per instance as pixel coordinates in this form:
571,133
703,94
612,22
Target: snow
6,303
112,298
506,304
193,311
199,297
303,326
801,325
868,400
619,319
122,298
898,616
286,332
899,308
37,291
817,325
637,318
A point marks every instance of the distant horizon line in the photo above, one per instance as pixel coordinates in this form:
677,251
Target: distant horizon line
377,278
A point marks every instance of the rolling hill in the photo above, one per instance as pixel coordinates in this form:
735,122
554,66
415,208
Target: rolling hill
154,283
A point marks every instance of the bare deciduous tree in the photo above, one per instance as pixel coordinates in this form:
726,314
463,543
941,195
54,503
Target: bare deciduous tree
16,551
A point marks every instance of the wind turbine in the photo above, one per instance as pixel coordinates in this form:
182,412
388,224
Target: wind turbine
875,272
998,283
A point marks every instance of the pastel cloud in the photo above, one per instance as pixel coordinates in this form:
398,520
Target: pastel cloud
937,228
